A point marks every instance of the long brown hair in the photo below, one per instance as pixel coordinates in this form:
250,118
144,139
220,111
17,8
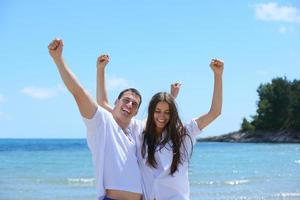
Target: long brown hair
175,132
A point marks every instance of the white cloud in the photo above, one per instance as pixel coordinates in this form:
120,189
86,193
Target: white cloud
273,12
42,93
116,83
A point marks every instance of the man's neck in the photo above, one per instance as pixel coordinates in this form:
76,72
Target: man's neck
123,124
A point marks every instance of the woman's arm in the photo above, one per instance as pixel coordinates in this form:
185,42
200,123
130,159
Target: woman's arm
215,110
101,92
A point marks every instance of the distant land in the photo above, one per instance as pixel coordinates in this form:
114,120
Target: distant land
255,137
277,118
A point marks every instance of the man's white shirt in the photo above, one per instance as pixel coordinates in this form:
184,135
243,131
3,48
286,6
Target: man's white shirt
114,153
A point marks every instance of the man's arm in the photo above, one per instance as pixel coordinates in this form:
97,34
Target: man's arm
86,105
215,110
175,87
101,92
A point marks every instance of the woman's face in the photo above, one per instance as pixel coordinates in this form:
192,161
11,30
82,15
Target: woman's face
161,116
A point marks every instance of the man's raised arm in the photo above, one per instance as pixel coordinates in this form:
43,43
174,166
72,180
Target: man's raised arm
86,105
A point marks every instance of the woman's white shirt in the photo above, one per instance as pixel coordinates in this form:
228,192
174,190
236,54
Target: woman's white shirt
157,183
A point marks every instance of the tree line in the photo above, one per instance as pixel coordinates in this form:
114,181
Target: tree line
278,107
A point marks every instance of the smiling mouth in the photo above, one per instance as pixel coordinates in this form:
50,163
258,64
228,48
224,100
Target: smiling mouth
127,112
160,121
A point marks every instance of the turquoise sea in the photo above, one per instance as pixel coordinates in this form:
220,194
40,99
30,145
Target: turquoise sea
61,169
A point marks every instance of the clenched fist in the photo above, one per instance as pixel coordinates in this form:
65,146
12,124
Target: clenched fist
102,61
55,48
217,66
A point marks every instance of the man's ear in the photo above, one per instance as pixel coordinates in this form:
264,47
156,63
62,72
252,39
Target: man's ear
116,101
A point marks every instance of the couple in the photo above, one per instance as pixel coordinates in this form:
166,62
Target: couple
132,159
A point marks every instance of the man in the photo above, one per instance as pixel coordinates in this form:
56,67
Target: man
109,134
158,181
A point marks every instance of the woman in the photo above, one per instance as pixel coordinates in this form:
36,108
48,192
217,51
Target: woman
165,145
164,150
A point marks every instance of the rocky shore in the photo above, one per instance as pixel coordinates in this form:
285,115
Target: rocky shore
256,137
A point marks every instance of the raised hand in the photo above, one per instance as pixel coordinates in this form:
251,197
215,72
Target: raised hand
216,106
85,102
102,61
55,48
217,66
175,87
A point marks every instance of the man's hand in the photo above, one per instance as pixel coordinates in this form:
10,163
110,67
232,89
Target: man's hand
175,87
217,66
55,48
102,61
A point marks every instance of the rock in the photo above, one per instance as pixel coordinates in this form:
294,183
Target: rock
256,137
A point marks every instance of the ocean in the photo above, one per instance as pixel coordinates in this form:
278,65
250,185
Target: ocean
61,169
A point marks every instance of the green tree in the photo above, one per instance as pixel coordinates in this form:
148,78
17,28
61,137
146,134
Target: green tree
278,107
272,111
247,126
293,121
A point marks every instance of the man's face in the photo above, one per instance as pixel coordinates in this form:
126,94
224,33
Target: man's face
127,106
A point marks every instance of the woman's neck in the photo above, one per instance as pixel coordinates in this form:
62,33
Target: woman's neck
158,131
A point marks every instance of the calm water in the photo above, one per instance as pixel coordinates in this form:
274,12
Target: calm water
62,169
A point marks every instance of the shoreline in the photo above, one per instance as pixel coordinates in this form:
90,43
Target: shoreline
255,137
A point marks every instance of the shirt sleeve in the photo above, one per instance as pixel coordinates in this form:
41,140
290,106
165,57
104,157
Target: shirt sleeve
190,140
193,129
96,133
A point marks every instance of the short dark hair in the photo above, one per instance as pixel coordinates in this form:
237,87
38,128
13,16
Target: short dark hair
135,91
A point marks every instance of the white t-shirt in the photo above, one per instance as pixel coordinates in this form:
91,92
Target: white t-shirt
114,154
157,182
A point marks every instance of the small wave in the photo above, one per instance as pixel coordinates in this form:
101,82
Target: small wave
236,182
205,183
297,161
210,182
84,181
231,182
288,195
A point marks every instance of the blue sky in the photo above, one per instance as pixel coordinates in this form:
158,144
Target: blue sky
151,45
